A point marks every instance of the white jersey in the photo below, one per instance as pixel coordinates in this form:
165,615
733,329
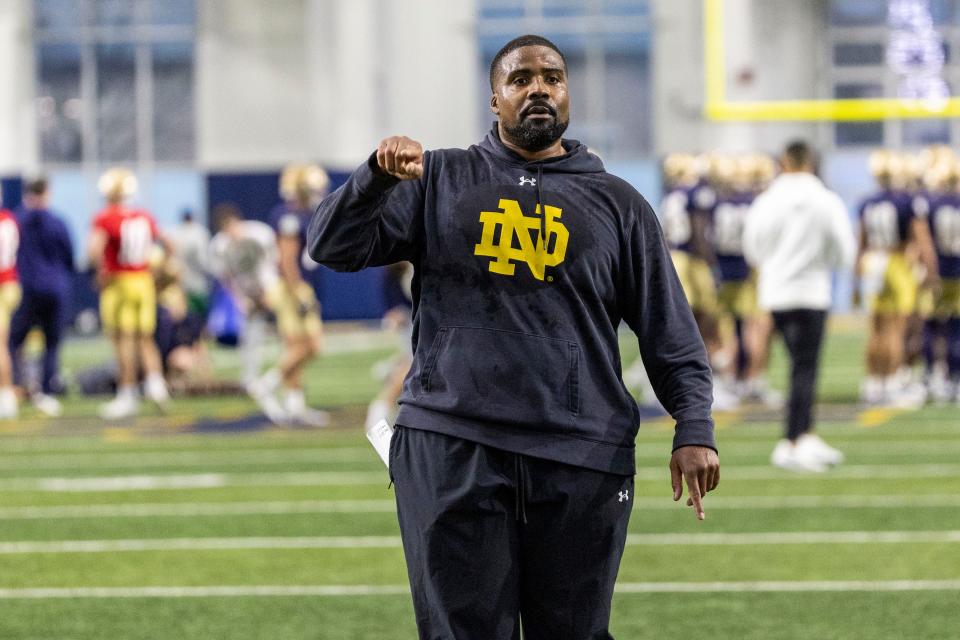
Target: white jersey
248,263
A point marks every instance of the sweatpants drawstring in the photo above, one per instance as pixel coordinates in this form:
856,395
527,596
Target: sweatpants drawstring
520,488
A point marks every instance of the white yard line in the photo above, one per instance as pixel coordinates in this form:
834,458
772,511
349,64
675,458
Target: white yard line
262,591
788,586
390,542
281,507
323,478
194,509
194,481
191,458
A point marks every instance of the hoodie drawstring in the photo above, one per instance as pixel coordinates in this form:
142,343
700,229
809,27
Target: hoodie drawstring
543,213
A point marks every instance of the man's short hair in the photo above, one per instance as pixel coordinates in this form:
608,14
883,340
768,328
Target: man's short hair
799,154
225,213
528,40
36,186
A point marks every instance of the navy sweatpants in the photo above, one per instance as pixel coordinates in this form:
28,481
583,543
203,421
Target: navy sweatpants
47,310
496,540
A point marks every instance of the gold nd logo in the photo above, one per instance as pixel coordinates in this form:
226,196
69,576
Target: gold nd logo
513,223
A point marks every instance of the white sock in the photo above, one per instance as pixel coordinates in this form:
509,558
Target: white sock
294,401
271,380
127,392
251,347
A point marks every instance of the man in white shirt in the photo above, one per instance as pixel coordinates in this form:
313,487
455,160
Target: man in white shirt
796,233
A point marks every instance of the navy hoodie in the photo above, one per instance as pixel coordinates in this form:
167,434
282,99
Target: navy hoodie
45,255
516,313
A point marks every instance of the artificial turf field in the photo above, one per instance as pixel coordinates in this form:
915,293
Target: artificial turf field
203,524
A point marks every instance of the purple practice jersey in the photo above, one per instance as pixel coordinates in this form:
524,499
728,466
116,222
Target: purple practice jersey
944,217
287,220
728,220
678,208
886,218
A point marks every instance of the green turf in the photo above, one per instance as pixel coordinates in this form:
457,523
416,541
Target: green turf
909,456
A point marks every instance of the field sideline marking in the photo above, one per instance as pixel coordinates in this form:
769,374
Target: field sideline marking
282,507
390,542
344,478
225,591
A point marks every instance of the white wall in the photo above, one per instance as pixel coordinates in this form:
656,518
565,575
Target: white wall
780,41
251,83
18,140
327,79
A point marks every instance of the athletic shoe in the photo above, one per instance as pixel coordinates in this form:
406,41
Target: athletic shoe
267,402
47,405
759,391
787,455
310,418
872,392
155,388
913,396
819,449
724,400
123,406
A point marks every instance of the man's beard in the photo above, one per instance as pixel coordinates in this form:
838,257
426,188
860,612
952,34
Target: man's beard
535,135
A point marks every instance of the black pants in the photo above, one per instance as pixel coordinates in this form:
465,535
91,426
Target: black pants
495,540
802,331
48,310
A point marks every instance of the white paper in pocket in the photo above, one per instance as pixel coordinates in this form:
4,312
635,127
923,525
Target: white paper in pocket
379,436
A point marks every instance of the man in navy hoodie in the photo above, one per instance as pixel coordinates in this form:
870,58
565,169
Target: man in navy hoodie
513,458
45,262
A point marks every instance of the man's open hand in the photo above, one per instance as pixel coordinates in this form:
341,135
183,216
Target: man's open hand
700,467
401,157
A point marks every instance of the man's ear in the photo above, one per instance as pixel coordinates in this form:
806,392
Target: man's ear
494,105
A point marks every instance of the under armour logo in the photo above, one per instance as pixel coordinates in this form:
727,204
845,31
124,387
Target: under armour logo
624,495
550,248
530,181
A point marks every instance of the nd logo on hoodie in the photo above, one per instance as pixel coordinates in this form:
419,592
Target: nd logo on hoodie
512,224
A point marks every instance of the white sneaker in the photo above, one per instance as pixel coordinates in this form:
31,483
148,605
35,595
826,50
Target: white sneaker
757,390
311,418
47,405
814,445
724,400
155,388
267,402
872,392
123,406
787,455
298,412
913,396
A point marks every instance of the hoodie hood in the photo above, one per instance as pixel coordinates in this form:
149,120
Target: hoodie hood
577,159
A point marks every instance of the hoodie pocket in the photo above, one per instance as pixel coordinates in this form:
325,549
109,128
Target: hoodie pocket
502,376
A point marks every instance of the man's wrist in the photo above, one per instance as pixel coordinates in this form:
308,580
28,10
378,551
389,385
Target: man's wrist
694,433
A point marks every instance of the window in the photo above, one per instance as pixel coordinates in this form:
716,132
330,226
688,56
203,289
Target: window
115,80
607,46
890,48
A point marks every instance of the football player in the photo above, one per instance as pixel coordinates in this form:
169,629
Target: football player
943,215
687,210
889,228
293,300
9,301
119,250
